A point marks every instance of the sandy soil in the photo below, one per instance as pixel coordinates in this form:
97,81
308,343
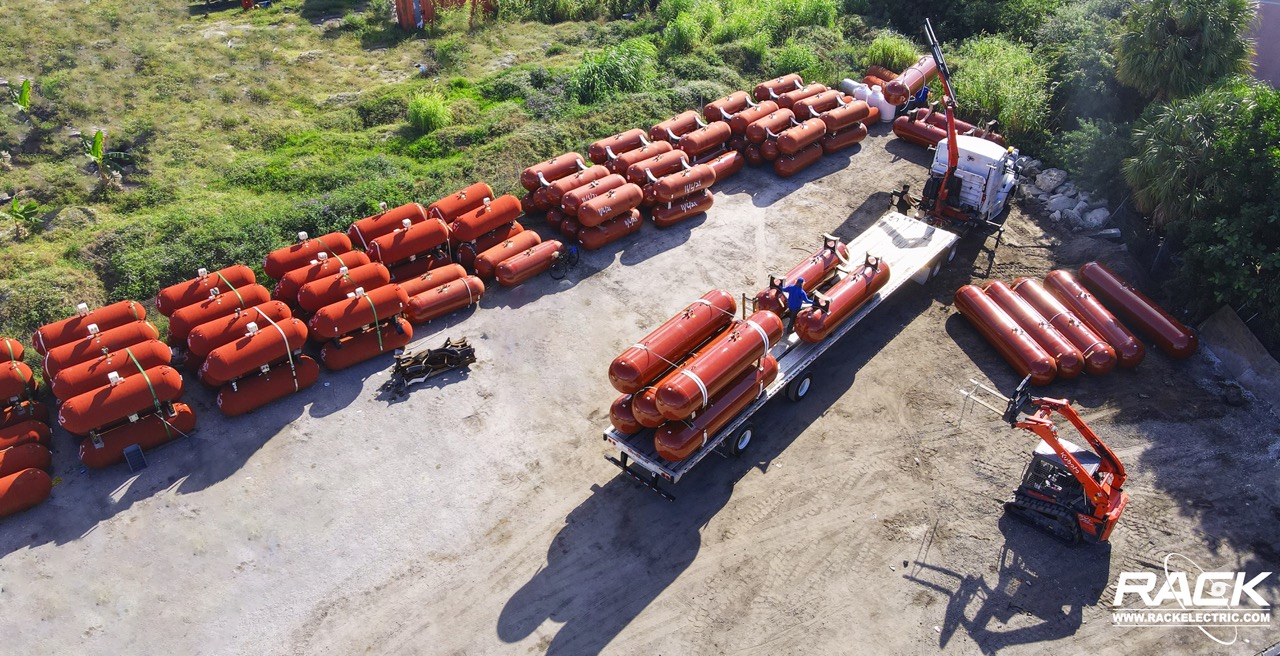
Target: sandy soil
478,516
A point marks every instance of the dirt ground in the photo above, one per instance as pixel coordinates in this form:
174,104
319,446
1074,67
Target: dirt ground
479,517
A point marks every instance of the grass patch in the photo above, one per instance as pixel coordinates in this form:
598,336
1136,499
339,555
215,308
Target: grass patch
429,112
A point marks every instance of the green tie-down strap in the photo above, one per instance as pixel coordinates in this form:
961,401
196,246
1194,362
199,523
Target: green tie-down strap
376,329
232,287
154,397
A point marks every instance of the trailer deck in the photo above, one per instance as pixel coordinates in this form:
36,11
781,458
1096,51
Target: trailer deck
913,249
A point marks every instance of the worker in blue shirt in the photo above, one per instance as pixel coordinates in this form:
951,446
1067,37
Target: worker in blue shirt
797,298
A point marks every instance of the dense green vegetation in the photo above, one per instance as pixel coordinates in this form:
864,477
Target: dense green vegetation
226,132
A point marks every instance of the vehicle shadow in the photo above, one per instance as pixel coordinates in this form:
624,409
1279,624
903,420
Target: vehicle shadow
623,546
1036,577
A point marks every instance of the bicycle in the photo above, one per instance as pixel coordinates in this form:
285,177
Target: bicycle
566,260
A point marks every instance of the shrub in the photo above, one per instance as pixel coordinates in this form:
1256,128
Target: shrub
450,53
682,34
892,51
1075,41
628,66
1093,152
997,79
429,112
795,58
382,108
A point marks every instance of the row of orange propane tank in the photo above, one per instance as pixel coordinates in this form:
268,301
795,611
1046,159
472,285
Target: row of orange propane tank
1059,328
110,373
25,459
693,374
923,126
668,170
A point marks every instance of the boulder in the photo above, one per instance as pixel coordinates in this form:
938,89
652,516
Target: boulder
1051,179
1094,219
1067,189
1055,216
1057,203
1072,219
1081,207
1095,203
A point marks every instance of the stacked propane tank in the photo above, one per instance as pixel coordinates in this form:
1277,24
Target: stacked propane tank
1059,328
110,372
25,459
794,125
695,373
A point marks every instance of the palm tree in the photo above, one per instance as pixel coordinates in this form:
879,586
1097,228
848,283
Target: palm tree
1176,48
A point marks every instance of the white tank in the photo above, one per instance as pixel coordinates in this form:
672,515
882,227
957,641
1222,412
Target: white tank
877,100
856,89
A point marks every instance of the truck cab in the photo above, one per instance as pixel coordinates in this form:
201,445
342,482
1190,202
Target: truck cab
986,175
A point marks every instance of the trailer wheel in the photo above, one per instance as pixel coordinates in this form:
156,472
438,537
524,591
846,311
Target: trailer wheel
799,388
741,440
937,268
951,254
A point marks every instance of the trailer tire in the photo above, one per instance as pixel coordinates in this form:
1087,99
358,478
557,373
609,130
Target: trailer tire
799,388
741,439
951,254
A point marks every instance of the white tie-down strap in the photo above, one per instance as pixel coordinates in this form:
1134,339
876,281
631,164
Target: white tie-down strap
287,351
701,386
764,337
1093,346
704,438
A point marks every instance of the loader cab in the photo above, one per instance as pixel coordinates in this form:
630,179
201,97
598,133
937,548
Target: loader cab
983,179
1049,478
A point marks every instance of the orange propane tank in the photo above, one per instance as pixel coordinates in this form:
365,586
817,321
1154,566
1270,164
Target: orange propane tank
24,456
705,139
24,411
769,150
171,298
544,173
331,289
554,218
287,289
678,440
1002,332
873,81
16,381
467,252
474,224
610,147
771,89
846,138
574,199
669,214
816,106
529,263
26,432
89,348
359,347
882,73
900,89
10,349
184,320
268,344
621,163
675,127
411,242
717,365
770,126
569,228
249,394
23,490
738,124
816,323
611,204
795,138
664,164
620,415
643,363
814,270
433,260
753,155
847,116
644,407
725,108
432,279
1065,356
1175,339
919,133
88,376
557,189
789,99
727,165
284,260
789,165
350,314
149,432
449,208
133,395
610,231
75,328
224,330
487,262
445,299
364,231
686,182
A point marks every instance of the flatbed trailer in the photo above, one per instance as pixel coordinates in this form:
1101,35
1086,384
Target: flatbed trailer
913,249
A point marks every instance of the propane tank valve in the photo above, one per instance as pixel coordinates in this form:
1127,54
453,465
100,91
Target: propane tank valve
202,272
82,309
252,328
93,329
302,236
359,292
114,378
406,223
321,257
342,271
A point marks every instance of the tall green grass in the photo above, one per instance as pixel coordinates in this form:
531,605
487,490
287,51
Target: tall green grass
892,51
628,66
429,112
995,78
